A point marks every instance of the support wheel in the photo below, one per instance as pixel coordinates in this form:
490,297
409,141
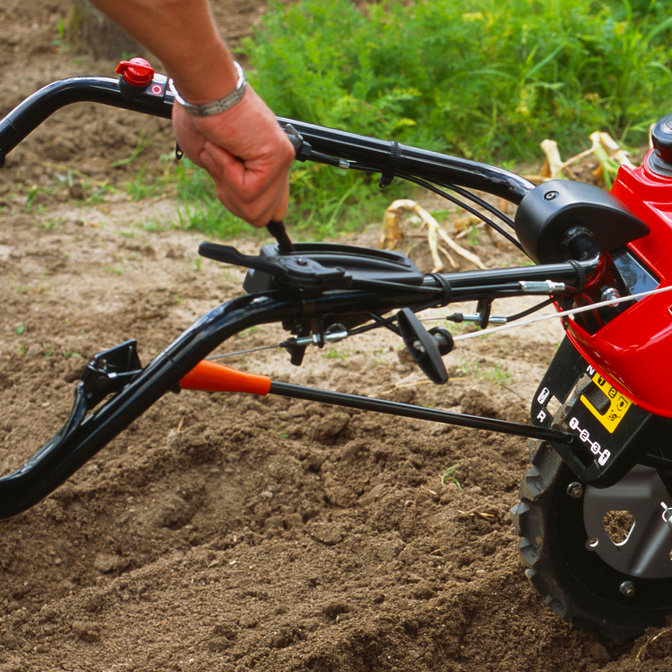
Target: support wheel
600,557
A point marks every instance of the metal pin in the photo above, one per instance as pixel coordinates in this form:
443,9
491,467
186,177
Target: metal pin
476,317
542,287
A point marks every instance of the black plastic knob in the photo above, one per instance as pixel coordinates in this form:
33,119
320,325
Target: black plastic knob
661,137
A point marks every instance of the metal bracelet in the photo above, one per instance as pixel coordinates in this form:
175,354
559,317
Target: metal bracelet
215,106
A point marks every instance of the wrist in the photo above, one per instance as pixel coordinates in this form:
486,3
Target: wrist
210,76
215,106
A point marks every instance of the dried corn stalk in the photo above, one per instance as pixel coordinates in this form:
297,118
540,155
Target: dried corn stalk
603,148
392,234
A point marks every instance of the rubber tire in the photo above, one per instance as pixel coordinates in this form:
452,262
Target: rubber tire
575,583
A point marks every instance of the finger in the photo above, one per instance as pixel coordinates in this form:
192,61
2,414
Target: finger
250,177
247,193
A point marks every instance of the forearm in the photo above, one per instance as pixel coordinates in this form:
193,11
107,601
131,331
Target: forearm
243,147
183,35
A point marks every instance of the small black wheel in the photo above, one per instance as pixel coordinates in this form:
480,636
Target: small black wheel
600,557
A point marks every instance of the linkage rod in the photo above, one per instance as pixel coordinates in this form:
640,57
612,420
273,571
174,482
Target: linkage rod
419,412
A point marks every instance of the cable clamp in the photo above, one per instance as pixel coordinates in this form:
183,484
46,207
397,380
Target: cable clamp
445,287
389,174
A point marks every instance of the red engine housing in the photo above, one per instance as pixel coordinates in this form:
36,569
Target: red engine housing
634,350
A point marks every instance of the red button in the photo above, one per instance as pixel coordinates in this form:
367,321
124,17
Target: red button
136,72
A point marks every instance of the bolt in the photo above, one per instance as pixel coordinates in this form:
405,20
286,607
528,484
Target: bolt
417,345
667,515
575,490
301,261
610,294
550,195
627,588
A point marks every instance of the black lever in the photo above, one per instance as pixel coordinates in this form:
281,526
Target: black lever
278,231
423,346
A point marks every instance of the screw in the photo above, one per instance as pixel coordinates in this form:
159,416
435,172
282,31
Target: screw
550,195
627,588
301,261
575,490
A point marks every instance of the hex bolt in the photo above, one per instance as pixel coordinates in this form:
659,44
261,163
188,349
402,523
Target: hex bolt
575,490
610,294
627,588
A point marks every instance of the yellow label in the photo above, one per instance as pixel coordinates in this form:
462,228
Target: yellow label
618,405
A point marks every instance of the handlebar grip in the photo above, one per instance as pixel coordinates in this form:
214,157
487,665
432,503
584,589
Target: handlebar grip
278,231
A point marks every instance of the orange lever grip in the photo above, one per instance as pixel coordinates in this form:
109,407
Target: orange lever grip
209,376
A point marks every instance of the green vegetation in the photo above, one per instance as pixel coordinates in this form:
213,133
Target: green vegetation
485,79
493,373
200,210
448,476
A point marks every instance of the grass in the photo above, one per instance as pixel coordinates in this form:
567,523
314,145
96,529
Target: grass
200,210
484,79
333,353
496,373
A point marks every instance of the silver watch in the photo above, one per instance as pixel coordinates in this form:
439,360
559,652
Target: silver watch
215,106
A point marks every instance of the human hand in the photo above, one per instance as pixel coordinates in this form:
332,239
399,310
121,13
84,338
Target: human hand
246,153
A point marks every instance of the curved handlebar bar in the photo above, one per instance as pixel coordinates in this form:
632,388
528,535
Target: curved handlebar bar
156,99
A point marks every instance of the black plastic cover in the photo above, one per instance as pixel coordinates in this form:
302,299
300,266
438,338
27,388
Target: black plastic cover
550,210
357,263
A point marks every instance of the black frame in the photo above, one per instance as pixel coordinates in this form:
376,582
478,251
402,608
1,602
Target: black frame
92,425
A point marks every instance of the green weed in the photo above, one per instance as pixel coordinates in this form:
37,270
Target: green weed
333,353
30,197
499,375
144,186
496,374
448,476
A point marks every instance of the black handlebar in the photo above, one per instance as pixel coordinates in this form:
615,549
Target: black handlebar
28,115
155,99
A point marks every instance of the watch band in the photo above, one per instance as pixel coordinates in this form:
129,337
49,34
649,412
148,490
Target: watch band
215,106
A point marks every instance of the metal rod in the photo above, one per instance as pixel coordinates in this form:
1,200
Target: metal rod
419,412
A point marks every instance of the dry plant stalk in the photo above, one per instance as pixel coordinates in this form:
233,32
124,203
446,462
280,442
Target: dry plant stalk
392,234
603,148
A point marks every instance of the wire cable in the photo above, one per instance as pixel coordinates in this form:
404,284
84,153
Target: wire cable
467,207
465,193
563,314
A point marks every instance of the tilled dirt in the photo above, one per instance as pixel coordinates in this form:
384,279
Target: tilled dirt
228,532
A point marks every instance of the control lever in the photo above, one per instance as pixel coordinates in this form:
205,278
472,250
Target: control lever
278,231
425,347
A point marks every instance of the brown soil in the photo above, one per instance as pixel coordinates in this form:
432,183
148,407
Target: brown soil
228,532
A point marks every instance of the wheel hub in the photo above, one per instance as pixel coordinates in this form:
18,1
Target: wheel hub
642,545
